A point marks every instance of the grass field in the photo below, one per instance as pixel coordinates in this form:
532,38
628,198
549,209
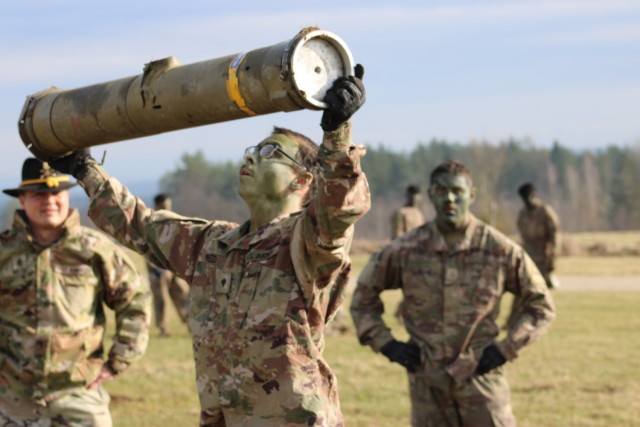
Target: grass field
583,373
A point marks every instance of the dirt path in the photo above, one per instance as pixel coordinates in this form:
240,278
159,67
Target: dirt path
599,283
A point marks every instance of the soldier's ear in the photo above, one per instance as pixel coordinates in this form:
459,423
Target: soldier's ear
303,180
472,195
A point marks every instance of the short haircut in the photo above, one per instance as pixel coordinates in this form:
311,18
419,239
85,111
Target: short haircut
526,190
452,167
413,189
308,153
160,198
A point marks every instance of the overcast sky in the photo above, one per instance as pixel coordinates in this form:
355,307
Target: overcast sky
565,70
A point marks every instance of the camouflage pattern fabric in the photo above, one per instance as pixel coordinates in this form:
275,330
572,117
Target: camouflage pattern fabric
452,296
78,408
404,219
165,284
483,400
538,229
259,301
51,316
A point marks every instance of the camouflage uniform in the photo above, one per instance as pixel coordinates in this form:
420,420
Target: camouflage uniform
165,283
404,219
538,228
52,323
452,304
259,301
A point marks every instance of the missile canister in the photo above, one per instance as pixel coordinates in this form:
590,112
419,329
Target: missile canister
287,76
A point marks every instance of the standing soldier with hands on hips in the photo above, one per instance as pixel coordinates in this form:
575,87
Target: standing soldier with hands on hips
55,276
261,292
453,272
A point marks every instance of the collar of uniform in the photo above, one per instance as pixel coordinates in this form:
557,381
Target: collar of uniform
241,238
438,244
21,224
536,203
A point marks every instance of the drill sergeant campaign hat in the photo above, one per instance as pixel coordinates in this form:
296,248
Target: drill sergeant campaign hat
39,177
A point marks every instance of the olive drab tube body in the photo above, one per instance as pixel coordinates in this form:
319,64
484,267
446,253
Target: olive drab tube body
168,96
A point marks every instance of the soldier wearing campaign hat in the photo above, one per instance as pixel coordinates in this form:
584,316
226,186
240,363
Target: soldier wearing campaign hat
55,276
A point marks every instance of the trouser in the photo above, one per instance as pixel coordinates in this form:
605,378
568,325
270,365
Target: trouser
482,401
80,408
164,283
545,264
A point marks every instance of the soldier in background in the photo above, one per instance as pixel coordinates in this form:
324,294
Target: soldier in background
407,218
453,272
263,291
164,283
55,276
539,229
410,215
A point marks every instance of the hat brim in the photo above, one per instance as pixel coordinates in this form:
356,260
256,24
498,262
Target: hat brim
38,188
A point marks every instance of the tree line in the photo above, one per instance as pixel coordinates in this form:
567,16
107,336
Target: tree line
590,189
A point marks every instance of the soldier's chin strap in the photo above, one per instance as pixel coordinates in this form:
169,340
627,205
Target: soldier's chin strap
104,156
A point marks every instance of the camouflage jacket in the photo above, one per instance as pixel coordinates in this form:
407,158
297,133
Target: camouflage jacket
538,228
259,301
453,295
51,314
404,219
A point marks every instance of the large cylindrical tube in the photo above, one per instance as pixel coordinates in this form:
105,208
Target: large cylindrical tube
167,96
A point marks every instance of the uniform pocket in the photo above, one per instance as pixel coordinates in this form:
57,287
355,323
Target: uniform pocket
201,296
487,275
79,285
264,290
74,357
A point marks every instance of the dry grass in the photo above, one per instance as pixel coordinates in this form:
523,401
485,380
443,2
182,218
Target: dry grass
582,373
598,266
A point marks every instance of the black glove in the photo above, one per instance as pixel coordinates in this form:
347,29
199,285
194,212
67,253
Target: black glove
491,358
406,354
74,164
343,99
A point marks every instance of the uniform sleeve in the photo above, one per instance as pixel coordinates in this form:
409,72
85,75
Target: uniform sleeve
322,239
380,273
127,293
533,309
168,240
552,226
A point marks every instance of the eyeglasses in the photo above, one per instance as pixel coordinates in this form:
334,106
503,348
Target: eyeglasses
266,151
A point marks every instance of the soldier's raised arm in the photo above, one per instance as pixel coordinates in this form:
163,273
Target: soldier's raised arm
341,196
165,238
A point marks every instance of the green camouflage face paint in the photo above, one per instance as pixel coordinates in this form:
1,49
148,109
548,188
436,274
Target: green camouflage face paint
451,196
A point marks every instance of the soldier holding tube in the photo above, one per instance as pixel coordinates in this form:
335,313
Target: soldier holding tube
262,292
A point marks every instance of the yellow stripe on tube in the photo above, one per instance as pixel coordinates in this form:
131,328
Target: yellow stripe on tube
232,85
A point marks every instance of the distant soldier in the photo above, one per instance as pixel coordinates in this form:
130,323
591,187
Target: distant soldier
453,272
263,291
165,283
55,276
407,218
539,228
410,215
